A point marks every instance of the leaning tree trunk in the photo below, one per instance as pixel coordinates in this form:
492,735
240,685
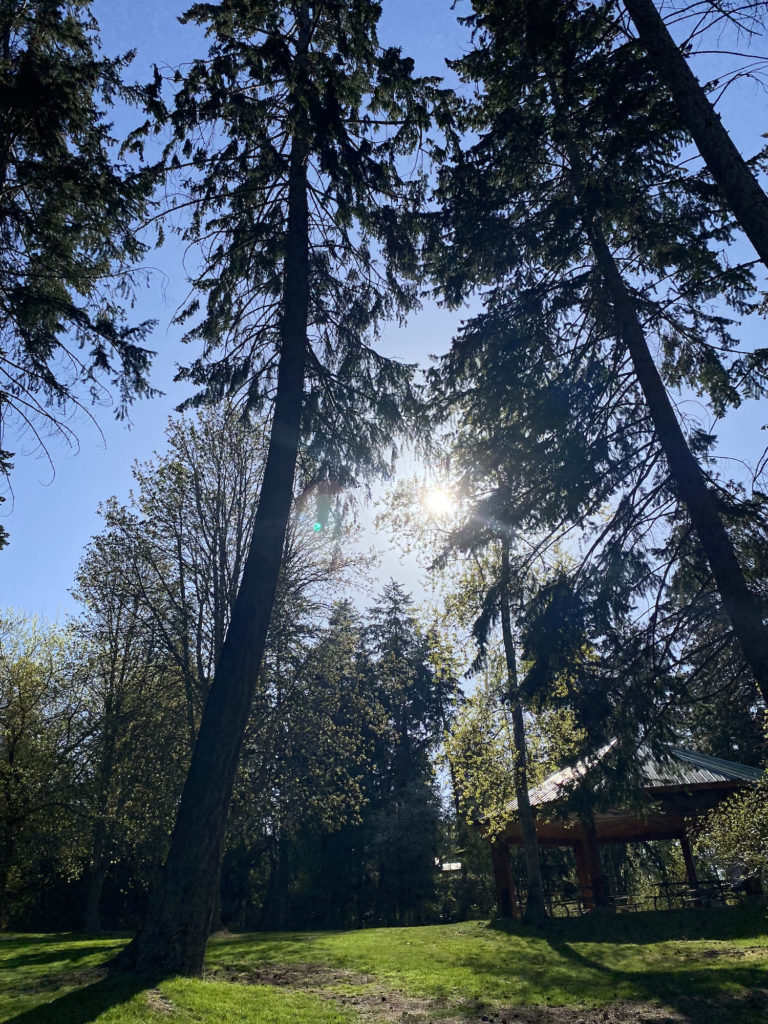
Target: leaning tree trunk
741,191
173,937
535,908
740,604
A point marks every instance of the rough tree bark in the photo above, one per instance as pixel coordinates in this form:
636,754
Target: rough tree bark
535,908
173,938
96,878
743,195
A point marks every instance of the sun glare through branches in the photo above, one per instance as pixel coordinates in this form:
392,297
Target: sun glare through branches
438,502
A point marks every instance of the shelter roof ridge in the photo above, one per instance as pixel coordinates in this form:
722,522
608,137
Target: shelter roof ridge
677,766
718,765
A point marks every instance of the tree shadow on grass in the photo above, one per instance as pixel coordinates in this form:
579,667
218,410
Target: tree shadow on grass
699,992
649,926
702,986
248,948
59,955
44,938
84,1005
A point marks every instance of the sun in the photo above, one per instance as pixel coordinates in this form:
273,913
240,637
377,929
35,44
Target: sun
438,501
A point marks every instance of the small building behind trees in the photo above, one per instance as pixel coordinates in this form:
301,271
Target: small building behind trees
673,788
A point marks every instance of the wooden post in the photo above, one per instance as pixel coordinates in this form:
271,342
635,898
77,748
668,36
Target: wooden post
690,868
506,900
582,874
597,879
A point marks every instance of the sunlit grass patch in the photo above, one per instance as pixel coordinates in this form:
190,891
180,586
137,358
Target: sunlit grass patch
587,962
701,965
61,980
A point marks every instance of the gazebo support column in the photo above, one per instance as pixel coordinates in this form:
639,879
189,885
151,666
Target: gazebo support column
582,874
587,851
690,868
506,900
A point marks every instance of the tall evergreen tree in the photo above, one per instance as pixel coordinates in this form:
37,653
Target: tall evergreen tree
498,582
572,206
737,182
417,697
293,127
68,215
305,781
717,711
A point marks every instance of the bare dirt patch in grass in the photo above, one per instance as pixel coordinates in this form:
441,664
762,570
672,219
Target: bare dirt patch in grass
754,1004
303,975
619,1013
159,1003
371,1001
374,1004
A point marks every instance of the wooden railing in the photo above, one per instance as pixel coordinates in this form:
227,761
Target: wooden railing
666,896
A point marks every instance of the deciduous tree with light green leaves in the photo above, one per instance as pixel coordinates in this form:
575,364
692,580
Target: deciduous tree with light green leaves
735,835
158,585
43,730
136,750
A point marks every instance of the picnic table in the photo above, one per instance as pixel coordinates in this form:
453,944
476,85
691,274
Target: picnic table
625,902
572,905
681,894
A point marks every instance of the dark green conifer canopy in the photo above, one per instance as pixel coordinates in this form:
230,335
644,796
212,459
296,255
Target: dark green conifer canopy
573,134
68,215
236,118
559,85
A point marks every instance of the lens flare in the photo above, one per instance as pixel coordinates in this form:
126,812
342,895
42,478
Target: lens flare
439,502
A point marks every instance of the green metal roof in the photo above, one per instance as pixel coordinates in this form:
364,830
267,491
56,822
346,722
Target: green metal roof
692,768
677,766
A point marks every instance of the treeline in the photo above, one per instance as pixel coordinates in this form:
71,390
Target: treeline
336,817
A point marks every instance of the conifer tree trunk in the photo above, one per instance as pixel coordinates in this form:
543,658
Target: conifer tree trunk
535,908
173,938
740,604
741,191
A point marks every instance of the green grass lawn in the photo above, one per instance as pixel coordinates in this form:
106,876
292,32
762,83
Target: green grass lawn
698,966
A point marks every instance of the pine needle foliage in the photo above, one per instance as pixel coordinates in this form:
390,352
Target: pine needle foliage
68,215
572,191
234,120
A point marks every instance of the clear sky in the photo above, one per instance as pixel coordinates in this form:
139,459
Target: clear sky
53,513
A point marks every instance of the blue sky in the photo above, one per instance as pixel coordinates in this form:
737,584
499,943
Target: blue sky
53,512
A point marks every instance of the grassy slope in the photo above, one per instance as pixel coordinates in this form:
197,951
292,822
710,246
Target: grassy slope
590,961
50,979
687,961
